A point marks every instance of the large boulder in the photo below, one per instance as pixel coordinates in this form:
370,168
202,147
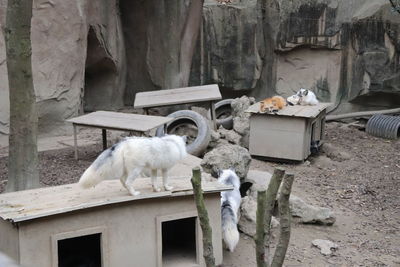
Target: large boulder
247,222
310,214
225,157
304,212
230,135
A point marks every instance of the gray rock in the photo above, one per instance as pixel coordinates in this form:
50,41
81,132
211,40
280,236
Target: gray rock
247,222
305,213
326,246
241,119
309,213
225,157
229,64
230,135
259,179
335,153
240,105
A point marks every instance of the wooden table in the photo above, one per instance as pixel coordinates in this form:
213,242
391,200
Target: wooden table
116,121
186,95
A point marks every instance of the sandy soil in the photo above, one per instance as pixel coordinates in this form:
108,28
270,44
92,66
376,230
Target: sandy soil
356,175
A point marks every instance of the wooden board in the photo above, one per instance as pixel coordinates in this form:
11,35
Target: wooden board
120,121
31,204
295,111
177,96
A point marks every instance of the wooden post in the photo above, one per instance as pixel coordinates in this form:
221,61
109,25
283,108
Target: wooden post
272,191
260,229
208,251
285,218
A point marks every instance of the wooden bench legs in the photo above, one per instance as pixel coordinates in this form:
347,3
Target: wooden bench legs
104,134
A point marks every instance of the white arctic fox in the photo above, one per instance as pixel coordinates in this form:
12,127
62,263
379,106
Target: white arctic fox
307,97
128,158
230,203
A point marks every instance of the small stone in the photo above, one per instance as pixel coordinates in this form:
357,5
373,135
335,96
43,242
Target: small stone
326,246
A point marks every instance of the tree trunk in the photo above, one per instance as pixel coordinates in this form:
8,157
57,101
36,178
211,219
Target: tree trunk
23,157
272,191
189,39
260,229
208,251
268,19
285,218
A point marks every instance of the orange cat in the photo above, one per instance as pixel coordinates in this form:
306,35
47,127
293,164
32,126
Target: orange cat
272,104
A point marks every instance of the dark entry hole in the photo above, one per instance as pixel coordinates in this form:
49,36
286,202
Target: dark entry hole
179,242
82,251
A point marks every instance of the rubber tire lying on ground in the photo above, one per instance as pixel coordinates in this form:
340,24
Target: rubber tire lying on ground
221,108
185,117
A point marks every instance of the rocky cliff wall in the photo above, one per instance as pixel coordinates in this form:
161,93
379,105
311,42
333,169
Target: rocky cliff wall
346,51
61,73
97,54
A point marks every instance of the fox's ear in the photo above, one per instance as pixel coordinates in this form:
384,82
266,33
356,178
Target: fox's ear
306,92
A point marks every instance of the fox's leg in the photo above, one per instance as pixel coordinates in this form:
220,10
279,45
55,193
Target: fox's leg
123,181
154,180
132,175
165,180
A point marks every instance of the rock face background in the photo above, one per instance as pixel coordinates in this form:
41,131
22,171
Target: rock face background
97,54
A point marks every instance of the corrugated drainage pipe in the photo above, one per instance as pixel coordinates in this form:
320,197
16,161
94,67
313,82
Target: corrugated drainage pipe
384,126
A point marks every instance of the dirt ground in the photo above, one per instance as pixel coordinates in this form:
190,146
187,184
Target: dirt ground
356,175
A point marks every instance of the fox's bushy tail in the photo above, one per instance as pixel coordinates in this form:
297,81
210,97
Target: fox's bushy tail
230,233
107,165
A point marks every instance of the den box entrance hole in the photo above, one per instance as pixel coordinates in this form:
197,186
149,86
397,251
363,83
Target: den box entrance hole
82,251
179,242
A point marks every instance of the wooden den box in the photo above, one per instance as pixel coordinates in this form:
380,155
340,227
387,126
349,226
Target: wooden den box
105,226
287,134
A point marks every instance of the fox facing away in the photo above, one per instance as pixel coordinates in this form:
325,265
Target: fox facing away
127,159
230,203
272,104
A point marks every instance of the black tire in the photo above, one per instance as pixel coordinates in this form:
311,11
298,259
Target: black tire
187,120
223,112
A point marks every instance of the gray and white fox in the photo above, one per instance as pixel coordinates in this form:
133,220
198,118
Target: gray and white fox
230,203
127,159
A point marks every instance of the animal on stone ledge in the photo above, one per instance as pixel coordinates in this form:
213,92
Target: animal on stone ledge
272,104
127,159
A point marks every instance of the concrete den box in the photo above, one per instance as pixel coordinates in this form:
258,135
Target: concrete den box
288,134
105,226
